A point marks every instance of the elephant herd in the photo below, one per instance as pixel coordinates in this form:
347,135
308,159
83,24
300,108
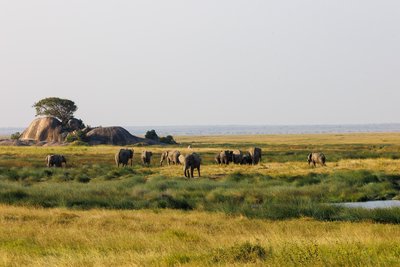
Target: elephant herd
253,156
190,161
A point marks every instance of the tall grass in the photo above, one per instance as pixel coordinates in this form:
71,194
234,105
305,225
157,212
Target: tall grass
63,237
283,186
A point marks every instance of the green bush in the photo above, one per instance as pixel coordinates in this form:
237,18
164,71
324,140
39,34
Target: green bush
152,135
78,138
15,136
83,178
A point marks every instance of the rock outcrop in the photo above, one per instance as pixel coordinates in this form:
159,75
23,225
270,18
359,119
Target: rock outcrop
50,131
47,129
114,136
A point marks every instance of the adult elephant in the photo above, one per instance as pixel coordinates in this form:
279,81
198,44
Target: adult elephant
218,158
255,154
226,157
181,159
146,157
192,161
237,157
172,157
55,161
315,158
246,159
123,156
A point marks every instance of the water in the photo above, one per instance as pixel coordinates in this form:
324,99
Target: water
249,129
380,204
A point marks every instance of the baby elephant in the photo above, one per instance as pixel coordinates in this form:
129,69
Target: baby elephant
315,158
55,160
146,157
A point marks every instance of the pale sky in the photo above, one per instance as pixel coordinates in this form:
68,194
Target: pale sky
202,62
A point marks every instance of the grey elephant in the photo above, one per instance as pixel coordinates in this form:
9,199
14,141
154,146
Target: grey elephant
255,153
226,157
146,157
237,157
315,158
192,161
55,161
123,156
246,159
172,157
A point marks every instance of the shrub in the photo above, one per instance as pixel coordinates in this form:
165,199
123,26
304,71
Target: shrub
77,136
152,135
83,178
15,136
169,139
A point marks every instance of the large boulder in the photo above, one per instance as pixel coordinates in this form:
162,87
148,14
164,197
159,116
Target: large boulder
46,129
114,136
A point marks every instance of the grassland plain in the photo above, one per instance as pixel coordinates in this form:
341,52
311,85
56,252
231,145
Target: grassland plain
283,203
62,237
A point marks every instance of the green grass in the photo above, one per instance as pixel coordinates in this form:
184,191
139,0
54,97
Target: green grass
278,213
282,187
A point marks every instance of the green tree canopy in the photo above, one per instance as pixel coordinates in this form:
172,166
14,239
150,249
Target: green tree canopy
62,109
151,135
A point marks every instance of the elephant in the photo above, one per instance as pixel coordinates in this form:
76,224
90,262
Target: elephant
237,156
181,159
225,157
123,156
255,154
315,158
218,158
146,157
172,157
246,159
55,160
192,161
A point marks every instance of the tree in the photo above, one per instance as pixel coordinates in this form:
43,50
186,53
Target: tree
62,109
15,136
152,135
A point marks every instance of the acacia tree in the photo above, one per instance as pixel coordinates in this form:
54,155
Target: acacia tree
62,109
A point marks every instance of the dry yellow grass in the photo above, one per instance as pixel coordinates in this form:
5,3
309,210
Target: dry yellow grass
60,237
299,139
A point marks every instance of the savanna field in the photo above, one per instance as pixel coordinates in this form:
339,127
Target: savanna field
277,213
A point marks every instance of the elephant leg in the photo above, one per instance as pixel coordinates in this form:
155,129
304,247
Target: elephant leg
191,172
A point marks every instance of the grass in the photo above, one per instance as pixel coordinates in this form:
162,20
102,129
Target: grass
276,213
62,237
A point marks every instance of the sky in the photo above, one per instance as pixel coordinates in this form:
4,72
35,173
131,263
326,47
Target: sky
202,62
